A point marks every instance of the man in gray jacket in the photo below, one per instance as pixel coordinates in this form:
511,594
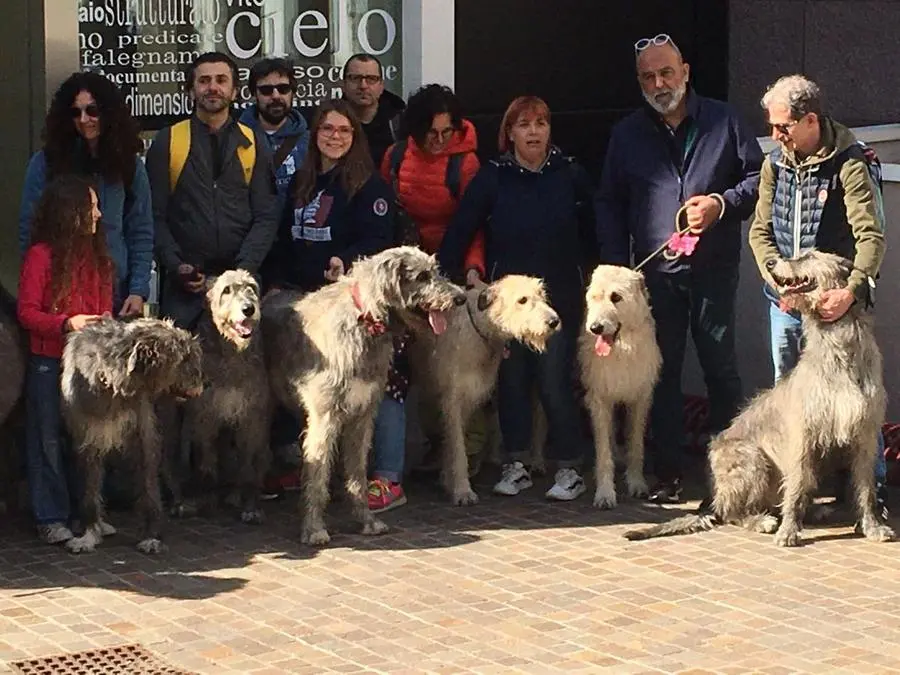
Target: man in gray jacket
214,201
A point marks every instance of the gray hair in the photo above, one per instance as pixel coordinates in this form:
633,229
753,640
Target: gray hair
797,93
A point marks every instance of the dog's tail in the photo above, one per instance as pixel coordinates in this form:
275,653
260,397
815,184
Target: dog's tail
696,522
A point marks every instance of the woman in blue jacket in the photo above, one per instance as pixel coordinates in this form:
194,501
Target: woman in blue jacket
89,130
534,205
339,209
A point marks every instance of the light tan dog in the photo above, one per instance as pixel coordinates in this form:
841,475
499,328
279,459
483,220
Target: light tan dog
458,369
619,362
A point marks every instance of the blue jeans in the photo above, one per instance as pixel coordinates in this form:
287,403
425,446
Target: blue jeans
786,333
49,475
552,373
702,300
390,440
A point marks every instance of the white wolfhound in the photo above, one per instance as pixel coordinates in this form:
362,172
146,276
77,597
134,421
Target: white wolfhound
619,362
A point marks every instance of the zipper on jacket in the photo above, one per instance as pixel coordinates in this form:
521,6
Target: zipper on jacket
798,206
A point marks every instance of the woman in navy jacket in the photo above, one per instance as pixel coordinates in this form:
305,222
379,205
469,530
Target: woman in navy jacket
534,206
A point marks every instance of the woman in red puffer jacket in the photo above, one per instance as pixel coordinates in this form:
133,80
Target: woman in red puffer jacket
432,167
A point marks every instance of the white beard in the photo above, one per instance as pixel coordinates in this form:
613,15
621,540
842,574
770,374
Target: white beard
677,95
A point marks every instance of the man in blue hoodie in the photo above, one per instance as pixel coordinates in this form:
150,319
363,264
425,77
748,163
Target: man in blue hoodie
274,117
681,149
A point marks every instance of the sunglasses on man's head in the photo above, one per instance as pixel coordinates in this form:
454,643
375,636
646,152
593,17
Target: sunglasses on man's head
657,41
267,89
91,110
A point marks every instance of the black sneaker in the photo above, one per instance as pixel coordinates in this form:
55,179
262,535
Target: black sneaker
666,492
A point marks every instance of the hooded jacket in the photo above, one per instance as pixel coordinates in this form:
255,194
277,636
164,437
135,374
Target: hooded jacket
422,189
539,223
294,125
825,201
380,132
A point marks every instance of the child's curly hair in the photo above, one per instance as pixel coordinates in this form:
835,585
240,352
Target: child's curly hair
63,221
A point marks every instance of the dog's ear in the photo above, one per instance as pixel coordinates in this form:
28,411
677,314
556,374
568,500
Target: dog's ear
486,298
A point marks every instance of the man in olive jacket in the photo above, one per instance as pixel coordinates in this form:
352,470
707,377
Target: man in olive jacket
820,163
216,214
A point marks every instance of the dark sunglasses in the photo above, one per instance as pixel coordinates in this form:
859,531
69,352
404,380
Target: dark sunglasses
91,110
267,89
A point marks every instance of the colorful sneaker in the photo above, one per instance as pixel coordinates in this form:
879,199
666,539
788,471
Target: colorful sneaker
569,485
277,484
54,533
385,495
666,492
514,479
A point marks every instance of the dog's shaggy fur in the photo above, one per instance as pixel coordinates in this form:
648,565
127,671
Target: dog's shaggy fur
458,369
828,408
328,355
112,374
235,393
619,363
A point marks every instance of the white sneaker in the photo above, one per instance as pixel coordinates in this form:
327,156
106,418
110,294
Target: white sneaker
515,478
54,533
569,485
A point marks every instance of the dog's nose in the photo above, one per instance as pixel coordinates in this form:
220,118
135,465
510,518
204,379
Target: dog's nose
459,300
770,264
248,310
597,328
554,322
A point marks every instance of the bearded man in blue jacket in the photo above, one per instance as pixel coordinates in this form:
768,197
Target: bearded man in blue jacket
681,149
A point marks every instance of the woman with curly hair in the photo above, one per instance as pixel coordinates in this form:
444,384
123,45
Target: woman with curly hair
66,282
90,131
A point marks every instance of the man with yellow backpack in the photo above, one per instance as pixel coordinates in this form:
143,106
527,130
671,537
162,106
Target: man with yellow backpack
214,202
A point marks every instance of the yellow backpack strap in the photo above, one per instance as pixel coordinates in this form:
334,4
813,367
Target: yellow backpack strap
247,155
179,146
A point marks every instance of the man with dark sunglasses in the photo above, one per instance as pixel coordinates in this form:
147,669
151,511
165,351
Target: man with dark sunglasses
272,84
378,110
681,149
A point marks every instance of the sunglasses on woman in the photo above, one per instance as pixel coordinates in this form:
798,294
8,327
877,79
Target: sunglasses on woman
267,89
91,110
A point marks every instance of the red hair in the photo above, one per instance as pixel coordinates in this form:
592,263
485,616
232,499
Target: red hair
524,105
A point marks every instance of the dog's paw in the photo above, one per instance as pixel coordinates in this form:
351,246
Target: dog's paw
318,537
637,487
374,527
253,516
605,497
767,525
880,533
106,530
85,543
465,497
151,546
183,510
787,538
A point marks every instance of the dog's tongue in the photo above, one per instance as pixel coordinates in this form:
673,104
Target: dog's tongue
243,328
602,346
438,321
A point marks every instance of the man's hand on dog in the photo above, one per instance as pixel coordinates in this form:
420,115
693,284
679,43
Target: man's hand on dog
133,306
834,303
335,269
473,279
78,321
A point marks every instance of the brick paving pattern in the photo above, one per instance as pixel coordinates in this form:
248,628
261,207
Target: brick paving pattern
513,585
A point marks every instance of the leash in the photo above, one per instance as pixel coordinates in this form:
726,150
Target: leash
683,241
482,335
373,326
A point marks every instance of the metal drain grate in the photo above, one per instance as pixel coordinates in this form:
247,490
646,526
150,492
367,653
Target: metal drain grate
121,660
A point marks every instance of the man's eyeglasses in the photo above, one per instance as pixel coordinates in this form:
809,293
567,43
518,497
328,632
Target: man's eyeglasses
784,128
356,78
267,89
91,110
657,41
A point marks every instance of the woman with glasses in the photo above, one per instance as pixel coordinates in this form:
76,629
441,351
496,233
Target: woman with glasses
339,209
90,131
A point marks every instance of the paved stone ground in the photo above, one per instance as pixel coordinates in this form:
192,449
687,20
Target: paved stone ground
510,586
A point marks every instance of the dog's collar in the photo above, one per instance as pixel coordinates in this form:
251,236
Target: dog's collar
482,335
373,326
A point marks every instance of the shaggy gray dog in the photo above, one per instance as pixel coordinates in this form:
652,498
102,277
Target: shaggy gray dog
458,369
112,374
235,393
828,408
328,355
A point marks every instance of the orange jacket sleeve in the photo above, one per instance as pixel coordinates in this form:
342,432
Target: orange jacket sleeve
475,254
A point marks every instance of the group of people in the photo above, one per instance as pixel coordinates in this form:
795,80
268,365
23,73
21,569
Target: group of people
296,198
